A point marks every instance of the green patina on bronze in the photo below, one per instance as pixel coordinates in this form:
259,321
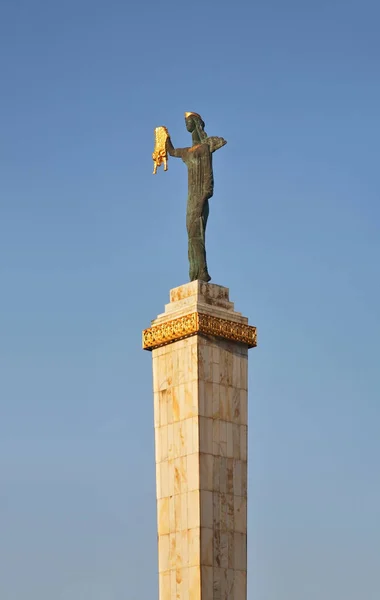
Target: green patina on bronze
198,159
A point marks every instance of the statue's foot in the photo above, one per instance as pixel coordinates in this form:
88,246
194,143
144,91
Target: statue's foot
204,277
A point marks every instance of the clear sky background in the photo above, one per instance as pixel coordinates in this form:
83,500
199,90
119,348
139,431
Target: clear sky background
91,243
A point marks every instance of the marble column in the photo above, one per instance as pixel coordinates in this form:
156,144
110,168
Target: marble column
200,381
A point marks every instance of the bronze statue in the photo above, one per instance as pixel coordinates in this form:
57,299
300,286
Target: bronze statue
198,159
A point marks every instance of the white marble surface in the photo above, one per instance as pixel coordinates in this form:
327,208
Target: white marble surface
200,416
207,298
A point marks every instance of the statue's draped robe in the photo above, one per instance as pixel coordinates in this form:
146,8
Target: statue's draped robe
198,160
201,187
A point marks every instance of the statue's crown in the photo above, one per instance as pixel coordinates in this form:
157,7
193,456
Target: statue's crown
189,114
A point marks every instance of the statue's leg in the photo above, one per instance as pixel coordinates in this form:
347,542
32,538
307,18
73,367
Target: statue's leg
193,232
192,267
204,274
191,223
197,250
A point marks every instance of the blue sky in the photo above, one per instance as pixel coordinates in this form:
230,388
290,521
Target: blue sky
91,243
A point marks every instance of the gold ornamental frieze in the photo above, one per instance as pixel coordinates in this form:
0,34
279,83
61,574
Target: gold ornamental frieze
198,323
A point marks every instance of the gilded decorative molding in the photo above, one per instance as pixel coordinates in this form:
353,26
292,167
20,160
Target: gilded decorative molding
193,323
230,330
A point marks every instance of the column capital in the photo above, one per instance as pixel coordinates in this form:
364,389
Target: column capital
199,308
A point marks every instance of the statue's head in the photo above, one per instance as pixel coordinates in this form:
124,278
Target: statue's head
195,125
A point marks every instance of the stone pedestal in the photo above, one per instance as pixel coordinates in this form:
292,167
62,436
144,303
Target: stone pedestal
200,381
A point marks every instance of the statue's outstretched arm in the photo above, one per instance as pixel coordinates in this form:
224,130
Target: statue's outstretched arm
216,142
177,152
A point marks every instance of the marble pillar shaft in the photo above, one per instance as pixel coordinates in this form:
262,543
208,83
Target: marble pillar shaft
200,419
